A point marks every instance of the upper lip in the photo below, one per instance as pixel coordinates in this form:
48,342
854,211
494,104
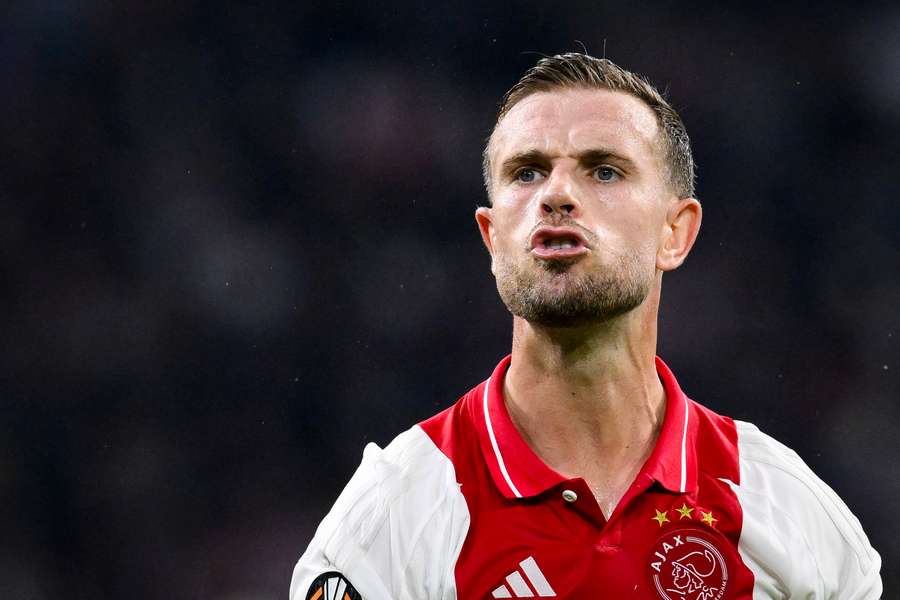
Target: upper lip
545,233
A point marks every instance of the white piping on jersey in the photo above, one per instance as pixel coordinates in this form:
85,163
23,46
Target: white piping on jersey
687,412
487,421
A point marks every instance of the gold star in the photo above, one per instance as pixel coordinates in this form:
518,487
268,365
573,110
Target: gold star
708,518
660,518
684,511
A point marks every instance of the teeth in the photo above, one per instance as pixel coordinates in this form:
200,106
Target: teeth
559,244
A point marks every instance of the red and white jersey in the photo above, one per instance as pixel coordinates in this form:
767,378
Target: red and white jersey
459,506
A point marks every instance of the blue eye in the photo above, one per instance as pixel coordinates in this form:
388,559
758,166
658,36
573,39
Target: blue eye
526,175
605,173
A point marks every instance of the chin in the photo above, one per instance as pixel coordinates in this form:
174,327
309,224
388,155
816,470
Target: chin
559,265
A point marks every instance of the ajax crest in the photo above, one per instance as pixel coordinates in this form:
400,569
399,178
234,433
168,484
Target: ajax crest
686,565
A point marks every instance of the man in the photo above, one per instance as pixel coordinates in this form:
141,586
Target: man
579,469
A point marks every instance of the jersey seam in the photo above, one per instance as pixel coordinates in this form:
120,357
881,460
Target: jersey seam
419,535
835,508
456,544
356,523
796,472
806,543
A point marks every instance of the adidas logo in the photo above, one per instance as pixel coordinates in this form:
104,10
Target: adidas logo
520,589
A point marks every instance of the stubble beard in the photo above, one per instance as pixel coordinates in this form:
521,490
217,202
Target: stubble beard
552,295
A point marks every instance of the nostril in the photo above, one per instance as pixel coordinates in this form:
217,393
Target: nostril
568,207
548,209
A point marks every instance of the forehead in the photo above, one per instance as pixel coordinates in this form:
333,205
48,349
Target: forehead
568,121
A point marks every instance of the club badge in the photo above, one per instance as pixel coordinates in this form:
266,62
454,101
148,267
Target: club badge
687,564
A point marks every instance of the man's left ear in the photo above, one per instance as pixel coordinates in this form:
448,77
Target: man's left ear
679,233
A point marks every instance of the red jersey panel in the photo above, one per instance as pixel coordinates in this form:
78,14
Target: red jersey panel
536,533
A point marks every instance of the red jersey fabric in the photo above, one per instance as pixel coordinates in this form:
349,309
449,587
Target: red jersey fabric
536,533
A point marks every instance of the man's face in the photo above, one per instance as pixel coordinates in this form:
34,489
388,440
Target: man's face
580,197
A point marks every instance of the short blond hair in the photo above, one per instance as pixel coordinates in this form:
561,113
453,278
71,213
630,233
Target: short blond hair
574,70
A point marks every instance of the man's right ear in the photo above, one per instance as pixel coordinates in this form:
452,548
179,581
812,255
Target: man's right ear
486,227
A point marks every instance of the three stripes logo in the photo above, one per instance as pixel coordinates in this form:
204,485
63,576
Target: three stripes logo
532,584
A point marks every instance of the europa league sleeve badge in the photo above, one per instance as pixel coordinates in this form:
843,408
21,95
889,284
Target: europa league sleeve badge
332,586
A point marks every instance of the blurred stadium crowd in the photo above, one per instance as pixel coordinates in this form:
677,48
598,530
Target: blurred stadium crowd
238,244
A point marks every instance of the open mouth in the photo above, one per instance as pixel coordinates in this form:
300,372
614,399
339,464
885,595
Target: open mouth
558,242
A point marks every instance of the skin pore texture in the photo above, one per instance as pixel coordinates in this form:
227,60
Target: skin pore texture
582,387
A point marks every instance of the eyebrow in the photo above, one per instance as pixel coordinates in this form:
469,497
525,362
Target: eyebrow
588,157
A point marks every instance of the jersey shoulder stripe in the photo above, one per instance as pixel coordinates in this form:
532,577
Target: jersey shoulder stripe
790,513
785,465
394,529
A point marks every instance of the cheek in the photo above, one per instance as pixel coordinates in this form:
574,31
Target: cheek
627,231
633,234
510,229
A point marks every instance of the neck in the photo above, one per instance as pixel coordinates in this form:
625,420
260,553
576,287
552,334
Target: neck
588,399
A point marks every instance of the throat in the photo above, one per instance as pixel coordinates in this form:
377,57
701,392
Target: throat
594,413
606,448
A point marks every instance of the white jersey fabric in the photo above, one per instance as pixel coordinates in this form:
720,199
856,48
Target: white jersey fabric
799,539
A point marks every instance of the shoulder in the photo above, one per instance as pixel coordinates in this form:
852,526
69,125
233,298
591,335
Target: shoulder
401,509
409,470
791,514
770,466
408,480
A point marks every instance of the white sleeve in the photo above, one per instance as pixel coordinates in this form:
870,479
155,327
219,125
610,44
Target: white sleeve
396,530
798,537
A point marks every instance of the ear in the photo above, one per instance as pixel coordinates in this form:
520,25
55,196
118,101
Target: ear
486,227
679,233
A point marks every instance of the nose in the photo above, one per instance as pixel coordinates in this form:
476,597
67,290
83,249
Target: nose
560,195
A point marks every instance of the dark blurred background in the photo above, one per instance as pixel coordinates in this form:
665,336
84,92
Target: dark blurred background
238,244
